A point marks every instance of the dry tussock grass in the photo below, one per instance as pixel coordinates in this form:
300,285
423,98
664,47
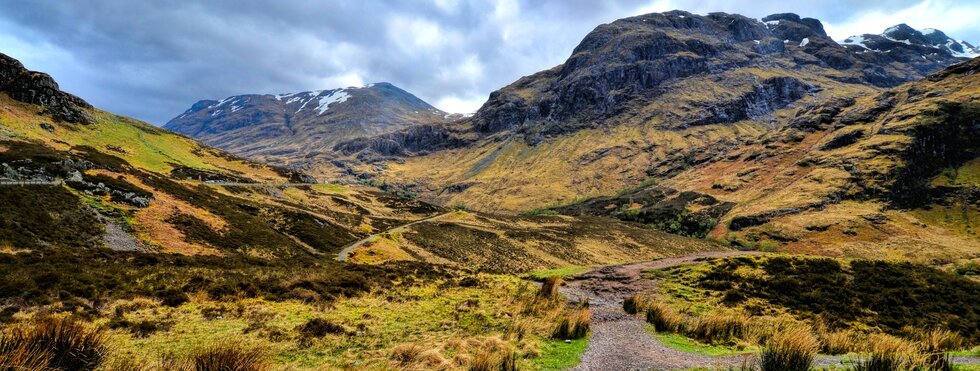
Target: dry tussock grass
576,324
665,318
791,350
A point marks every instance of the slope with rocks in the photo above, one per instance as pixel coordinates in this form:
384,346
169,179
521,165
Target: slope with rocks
887,175
293,128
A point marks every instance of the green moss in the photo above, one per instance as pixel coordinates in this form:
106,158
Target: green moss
563,272
558,355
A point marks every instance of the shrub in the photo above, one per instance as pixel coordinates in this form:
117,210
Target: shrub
791,350
319,327
664,318
549,288
229,358
69,345
172,297
574,325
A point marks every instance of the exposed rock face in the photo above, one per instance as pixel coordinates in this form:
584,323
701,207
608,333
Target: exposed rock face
624,64
292,128
413,141
39,88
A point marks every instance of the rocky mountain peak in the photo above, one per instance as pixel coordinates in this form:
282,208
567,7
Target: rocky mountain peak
903,39
283,127
789,26
39,88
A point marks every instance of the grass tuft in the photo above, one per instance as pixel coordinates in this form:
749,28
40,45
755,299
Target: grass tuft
634,304
549,288
664,318
574,325
792,350
66,344
230,358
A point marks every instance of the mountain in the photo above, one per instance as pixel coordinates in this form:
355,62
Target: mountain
904,40
290,128
111,184
646,102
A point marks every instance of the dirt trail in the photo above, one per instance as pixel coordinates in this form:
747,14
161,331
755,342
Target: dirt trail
619,340
342,256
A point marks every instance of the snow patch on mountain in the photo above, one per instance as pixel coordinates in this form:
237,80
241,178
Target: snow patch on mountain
339,96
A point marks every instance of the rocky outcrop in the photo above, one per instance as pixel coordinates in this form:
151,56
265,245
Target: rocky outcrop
39,88
769,95
415,140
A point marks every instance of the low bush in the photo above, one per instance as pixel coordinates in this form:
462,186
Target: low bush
319,327
791,350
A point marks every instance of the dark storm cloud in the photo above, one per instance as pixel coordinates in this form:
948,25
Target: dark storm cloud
153,59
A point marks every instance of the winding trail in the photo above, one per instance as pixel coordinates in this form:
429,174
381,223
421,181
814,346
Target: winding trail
342,256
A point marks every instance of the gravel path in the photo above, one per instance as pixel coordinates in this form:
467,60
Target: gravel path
620,341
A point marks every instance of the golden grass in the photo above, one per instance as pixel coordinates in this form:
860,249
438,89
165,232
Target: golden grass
665,318
576,324
549,288
790,350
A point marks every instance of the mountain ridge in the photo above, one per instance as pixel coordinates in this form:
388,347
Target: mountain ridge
287,128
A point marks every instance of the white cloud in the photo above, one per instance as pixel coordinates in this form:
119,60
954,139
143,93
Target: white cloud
454,104
951,17
656,6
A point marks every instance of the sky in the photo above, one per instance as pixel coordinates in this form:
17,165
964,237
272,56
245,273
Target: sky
153,59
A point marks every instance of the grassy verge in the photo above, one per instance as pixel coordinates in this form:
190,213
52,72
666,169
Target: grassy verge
558,355
686,344
563,272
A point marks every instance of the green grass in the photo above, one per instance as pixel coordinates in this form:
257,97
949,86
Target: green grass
975,352
686,344
563,272
558,355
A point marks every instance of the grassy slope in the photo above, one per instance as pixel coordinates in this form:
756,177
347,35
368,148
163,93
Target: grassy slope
511,176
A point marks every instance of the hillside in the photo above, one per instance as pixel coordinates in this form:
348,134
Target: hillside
301,127
645,103
167,248
131,186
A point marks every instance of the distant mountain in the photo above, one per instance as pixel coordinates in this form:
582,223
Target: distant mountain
290,128
902,39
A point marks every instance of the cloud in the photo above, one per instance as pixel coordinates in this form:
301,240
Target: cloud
153,59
